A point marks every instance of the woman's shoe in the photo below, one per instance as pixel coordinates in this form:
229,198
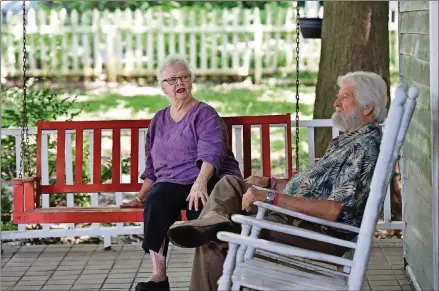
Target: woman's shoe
153,286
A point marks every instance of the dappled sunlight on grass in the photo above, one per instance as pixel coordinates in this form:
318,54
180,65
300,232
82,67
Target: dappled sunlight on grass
228,101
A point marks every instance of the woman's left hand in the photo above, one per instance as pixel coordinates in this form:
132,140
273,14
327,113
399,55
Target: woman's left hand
198,192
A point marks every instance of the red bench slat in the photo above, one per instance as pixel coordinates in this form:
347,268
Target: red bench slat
79,156
98,124
289,161
265,141
84,215
247,149
134,157
115,166
60,157
18,197
255,120
29,200
39,137
97,137
229,135
90,188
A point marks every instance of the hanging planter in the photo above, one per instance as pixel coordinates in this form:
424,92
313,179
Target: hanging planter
311,27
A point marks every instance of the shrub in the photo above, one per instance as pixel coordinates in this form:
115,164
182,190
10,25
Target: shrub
43,104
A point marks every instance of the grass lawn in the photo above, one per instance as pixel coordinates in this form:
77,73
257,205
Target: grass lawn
127,101
143,102
131,102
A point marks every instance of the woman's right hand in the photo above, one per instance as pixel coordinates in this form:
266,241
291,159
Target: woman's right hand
133,203
258,181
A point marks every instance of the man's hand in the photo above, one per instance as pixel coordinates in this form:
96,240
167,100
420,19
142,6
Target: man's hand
198,192
251,196
258,181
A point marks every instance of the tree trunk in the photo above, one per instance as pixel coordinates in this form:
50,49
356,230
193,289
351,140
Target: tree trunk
355,36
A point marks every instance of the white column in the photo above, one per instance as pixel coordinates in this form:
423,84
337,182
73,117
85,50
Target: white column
434,92
312,9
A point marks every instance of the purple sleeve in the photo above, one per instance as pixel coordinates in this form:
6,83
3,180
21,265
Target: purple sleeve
149,169
212,138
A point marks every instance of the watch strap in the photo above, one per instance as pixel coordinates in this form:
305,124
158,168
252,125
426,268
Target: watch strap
273,182
276,198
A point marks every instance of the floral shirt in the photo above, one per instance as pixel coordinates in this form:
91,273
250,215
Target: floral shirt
343,174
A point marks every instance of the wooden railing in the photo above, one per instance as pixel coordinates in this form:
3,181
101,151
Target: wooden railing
120,229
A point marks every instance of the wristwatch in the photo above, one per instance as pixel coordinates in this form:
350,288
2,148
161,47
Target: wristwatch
270,196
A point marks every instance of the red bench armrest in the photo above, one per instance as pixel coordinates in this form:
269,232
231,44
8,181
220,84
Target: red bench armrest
26,193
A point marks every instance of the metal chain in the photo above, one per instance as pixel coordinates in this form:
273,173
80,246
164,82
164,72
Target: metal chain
25,129
297,83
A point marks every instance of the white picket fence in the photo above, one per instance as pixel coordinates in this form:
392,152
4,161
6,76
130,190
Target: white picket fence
70,230
110,46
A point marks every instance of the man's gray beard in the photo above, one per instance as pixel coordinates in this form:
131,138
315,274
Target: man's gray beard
350,123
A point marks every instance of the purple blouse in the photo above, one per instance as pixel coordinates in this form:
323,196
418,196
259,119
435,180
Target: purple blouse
175,151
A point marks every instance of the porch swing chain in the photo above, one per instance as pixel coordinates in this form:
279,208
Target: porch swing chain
24,155
297,83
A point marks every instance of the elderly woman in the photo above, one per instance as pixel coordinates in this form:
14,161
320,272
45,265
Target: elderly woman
186,154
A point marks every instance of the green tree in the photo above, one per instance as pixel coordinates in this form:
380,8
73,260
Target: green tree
43,104
355,36
113,5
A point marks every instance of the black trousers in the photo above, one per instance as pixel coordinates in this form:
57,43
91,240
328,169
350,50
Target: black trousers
162,208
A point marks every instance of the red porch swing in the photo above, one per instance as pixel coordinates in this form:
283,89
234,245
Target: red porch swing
28,191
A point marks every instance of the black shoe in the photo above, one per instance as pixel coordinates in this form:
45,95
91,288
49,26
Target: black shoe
153,286
199,232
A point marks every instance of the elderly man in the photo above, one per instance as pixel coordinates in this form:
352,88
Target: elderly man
335,188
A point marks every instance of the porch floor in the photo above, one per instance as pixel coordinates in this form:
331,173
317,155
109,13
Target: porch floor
89,267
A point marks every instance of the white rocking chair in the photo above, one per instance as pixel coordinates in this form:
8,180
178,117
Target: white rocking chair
242,269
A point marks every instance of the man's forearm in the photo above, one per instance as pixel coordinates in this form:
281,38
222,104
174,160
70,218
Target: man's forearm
329,210
325,209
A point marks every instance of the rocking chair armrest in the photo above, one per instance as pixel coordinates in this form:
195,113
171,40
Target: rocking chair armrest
306,217
282,249
292,230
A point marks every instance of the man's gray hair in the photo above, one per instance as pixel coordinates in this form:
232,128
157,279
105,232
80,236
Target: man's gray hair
172,60
369,90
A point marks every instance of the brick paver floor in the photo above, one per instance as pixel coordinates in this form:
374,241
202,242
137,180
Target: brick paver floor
89,267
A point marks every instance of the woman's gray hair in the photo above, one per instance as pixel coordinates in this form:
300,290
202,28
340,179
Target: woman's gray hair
369,90
172,60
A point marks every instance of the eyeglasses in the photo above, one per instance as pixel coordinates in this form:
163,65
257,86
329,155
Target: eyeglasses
174,80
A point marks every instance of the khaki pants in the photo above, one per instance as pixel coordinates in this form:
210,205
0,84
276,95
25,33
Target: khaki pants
226,199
